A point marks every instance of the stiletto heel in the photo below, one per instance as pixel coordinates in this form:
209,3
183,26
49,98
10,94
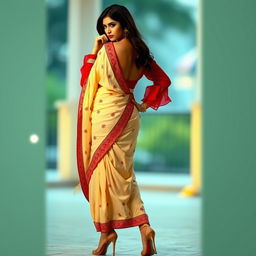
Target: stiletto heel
149,242
153,245
114,247
111,237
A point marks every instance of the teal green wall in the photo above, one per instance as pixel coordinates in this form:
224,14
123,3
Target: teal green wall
229,128
22,106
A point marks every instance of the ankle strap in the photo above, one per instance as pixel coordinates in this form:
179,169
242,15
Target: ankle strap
144,225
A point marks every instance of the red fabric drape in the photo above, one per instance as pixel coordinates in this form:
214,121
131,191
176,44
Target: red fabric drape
156,95
86,68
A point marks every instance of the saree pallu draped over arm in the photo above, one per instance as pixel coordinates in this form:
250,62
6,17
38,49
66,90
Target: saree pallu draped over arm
107,130
89,59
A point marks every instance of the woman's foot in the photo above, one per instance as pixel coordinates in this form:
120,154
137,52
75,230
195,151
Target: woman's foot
105,240
148,240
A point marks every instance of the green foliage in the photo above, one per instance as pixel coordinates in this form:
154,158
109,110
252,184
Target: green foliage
165,138
55,89
169,13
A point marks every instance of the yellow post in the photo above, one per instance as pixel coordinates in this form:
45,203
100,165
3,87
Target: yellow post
195,153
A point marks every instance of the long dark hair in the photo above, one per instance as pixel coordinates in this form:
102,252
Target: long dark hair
121,13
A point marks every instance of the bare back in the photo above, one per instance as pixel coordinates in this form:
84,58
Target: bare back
126,56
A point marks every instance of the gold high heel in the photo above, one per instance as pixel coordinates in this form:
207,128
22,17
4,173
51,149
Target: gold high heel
149,247
111,237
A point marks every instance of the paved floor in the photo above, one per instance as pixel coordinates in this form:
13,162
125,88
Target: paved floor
176,221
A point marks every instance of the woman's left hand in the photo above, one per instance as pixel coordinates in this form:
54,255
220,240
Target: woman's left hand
141,107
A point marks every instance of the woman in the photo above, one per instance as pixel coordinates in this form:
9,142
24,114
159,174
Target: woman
108,124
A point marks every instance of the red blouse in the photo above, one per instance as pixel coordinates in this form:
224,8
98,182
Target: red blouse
155,95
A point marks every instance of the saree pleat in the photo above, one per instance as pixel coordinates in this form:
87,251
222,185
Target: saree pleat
108,125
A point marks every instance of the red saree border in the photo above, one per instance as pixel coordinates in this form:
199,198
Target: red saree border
80,163
117,224
114,62
110,139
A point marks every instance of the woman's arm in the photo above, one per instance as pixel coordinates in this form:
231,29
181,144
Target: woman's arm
156,95
89,59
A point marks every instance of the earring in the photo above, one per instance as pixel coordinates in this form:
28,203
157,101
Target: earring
126,32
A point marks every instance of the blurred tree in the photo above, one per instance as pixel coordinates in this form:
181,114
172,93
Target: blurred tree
168,146
163,14
57,11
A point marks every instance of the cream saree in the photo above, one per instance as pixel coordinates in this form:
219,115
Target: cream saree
107,129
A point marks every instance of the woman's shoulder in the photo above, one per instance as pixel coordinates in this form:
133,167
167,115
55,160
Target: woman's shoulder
123,43
123,47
